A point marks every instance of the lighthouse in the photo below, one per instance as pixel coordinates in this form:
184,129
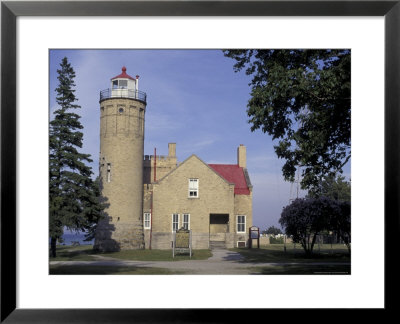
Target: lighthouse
122,115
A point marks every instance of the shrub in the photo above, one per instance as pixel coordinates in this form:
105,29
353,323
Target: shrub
275,240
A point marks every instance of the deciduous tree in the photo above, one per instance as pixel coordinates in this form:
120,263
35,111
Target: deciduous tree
302,99
305,218
272,230
332,187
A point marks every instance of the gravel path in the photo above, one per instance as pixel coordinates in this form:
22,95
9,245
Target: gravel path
222,262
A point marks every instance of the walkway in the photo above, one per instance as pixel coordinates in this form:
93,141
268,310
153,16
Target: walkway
222,262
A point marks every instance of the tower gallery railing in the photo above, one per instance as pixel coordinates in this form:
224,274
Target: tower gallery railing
123,93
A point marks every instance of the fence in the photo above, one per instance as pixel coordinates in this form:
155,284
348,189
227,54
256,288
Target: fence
322,239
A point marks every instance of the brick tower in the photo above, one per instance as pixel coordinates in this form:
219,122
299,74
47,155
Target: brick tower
122,111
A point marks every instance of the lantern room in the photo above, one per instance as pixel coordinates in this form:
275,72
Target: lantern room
123,84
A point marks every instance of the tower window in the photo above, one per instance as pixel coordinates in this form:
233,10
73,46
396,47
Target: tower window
108,172
120,84
147,220
193,188
123,84
121,110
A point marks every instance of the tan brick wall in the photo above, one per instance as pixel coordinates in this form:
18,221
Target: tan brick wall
243,206
164,165
241,156
171,196
121,145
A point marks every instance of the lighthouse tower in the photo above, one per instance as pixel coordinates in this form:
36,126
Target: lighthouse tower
122,111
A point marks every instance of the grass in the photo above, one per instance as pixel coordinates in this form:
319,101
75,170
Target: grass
157,255
275,253
86,253
74,253
110,270
303,269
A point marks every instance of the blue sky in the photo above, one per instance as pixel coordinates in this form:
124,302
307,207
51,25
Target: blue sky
194,99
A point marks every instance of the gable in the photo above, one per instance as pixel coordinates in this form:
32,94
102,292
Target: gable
194,162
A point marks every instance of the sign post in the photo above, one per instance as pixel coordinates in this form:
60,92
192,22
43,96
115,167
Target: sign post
254,234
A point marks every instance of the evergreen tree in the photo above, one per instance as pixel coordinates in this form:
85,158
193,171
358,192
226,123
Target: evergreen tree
73,195
302,98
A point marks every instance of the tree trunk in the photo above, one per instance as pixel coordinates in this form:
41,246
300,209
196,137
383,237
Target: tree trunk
53,243
304,244
313,242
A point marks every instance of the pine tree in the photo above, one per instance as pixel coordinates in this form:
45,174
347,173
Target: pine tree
74,200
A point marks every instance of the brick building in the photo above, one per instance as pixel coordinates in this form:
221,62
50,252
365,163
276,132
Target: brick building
150,197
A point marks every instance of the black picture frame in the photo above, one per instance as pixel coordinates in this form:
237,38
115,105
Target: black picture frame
10,10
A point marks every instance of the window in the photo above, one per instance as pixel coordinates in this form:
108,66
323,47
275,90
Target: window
120,84
108,172
186,221
241,244
193,188
123,84
147,220
241,224
120,110
175,222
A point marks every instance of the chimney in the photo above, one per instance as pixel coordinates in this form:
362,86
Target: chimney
241,156
172,149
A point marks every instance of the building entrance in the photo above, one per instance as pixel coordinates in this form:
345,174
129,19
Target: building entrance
219,225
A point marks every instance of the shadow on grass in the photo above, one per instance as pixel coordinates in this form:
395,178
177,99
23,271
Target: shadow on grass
277,254
108,270
305,269
74,253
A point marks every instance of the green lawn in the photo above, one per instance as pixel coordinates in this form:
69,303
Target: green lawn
303,269
74,253
275,253
111,270
86,253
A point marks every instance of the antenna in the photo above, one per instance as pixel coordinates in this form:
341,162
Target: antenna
303,113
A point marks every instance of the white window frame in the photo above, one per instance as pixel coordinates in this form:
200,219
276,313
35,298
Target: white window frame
116,84
237,224
188,221
177,223
196,190
237,243
125,86
147,221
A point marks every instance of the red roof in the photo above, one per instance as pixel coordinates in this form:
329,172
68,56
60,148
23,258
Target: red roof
233,174
123,75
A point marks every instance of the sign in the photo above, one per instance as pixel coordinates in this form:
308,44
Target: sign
182,242
254,233
182,239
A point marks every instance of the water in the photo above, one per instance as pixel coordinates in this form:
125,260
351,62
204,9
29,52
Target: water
68,238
